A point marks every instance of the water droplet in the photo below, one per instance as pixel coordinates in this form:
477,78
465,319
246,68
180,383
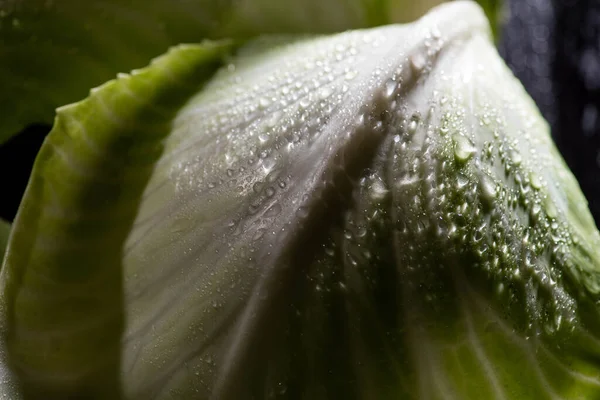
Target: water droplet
413,125
304,102
390,88
558,320
516,157
282,388
263,102
263,137
461,181
350,75
488,190
550,208
268,165
535,212
272,122
463,149
535,181
417,62
378,190
324,93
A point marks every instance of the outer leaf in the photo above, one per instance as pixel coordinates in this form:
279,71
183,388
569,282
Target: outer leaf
378,214
62,280
4,232
497,253
53,51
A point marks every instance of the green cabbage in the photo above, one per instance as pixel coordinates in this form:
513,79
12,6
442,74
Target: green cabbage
374,214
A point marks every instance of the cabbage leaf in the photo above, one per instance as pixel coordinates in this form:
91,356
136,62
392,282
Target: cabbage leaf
378,213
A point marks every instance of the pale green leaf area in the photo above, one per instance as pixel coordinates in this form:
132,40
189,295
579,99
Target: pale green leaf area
375,214
62,280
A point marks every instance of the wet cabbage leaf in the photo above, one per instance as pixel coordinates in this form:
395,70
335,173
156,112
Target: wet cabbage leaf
378,213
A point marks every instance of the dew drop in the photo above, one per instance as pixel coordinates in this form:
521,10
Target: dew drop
488,190
535,212
558,320
550,208
463,149
535,181
417,62
516,158
378,191
413,125
390,88
268,165
263,137
304,102
324,93
350,75
461,181
263,102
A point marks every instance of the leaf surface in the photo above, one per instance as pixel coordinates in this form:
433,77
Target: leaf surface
374,214
62,279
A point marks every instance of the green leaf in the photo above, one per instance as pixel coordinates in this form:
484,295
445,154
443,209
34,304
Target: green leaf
372,214
376,214
4,232
54,51
62,280
493,11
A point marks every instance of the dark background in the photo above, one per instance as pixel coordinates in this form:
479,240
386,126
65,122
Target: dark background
552,46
